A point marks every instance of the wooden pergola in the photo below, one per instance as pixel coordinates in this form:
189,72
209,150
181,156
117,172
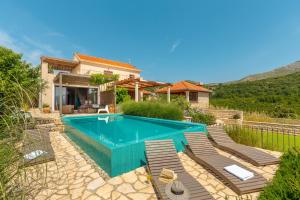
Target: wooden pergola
137,84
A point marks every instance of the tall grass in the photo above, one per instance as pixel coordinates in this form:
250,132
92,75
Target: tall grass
267,139
13,178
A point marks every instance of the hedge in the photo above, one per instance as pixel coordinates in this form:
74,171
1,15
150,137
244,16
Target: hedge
152,109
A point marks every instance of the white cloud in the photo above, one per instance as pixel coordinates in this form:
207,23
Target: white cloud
175,45
42,46
30,48
7,41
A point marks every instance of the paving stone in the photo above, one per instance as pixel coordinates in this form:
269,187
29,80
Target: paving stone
122,197
125,188
64,191
148,190
105,191
141,170
115,195
94,175
139,185
86,194
93,185
129,177
139,196
93,197
115,181
143,179
75,193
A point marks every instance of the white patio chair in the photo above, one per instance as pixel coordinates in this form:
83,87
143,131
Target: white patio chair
105,109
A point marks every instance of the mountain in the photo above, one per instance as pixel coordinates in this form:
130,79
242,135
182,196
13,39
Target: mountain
281,71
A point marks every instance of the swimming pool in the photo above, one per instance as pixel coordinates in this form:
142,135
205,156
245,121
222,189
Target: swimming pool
116,142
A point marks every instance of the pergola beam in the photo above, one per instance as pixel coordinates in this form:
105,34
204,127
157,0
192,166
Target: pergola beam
138,84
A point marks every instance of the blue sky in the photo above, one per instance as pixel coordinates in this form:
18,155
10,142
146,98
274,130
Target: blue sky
208,41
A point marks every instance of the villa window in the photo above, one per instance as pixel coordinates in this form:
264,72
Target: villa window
193,96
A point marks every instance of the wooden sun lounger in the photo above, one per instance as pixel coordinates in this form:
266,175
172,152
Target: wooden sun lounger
254,156
162,154
37,139
201,150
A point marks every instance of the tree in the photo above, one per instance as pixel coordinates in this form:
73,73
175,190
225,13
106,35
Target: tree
122,95
19,77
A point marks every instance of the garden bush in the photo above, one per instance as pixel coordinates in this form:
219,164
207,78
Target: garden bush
122,95
286,183
152,109
203,118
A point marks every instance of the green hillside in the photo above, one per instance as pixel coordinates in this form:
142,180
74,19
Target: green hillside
278,97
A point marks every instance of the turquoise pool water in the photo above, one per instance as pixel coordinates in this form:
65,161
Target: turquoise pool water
116,142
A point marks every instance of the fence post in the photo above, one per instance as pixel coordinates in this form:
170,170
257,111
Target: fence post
277,139
283,139
267,136
261,137
289,138
294,137
272,139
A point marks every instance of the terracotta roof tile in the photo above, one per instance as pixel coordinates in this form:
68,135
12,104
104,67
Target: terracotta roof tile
106,62
184,86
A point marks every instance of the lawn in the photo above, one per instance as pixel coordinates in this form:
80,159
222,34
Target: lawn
267,139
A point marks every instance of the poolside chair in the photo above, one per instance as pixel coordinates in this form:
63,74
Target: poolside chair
254,156
201,150
37,147
105,109
161,154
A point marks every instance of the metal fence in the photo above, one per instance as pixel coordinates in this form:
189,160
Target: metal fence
280,139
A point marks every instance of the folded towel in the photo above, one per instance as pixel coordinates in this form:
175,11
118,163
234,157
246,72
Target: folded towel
167,175
34,154
239,172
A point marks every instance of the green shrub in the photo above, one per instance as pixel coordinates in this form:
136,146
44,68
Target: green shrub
199,117
122,95
178,100
286,183
181,102
152,109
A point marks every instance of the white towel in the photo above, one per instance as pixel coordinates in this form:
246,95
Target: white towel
239,172
34,154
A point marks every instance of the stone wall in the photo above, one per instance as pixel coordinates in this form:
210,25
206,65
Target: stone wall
225,116
273,125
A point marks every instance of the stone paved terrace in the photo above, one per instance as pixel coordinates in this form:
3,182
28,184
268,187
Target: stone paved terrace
74,176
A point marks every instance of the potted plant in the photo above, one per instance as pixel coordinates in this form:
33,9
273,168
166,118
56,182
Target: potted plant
46,108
